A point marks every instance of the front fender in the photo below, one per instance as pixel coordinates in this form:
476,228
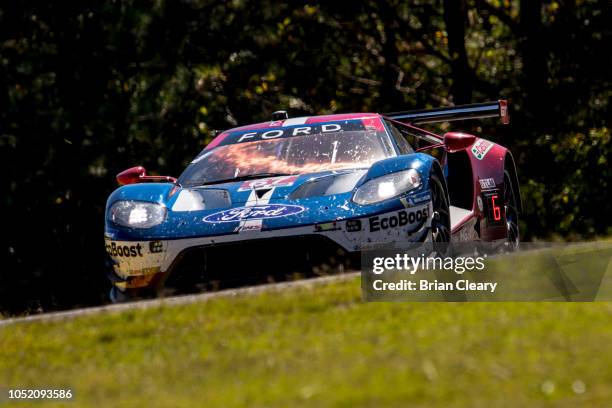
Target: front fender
151,192
421,162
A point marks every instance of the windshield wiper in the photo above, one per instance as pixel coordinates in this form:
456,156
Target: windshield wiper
242,178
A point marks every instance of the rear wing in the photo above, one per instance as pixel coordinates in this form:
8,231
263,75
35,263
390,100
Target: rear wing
460,112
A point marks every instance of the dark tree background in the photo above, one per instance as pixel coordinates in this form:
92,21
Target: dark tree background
93,87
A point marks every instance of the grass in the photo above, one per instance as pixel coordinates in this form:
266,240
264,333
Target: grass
320,346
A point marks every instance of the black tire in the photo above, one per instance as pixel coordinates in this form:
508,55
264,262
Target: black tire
117,296
441,234
440,222
512,213
130,295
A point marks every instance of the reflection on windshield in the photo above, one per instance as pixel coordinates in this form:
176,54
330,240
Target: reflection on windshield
295,155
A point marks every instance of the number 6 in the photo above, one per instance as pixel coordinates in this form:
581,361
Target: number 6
496,209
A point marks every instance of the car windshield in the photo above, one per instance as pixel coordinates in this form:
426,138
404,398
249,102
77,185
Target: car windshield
288,155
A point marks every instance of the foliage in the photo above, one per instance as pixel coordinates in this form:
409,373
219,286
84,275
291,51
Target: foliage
95,87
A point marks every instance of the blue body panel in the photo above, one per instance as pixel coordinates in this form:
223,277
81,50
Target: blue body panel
316,209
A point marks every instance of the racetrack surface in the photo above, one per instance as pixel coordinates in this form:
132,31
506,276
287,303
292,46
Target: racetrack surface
179,300
315,343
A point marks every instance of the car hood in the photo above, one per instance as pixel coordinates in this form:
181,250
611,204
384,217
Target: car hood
264,190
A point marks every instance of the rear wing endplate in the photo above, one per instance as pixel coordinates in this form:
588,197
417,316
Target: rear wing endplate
473,111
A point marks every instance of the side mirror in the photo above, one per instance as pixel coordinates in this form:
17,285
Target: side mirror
457,141
131,175
138,174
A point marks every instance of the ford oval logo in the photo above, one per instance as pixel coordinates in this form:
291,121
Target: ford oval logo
254,212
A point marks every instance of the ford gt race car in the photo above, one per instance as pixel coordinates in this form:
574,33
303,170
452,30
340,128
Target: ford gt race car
309,194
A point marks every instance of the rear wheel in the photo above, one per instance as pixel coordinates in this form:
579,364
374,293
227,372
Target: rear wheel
511,209
440,223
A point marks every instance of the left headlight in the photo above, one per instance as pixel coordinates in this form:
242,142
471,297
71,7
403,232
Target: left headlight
137,214
387,186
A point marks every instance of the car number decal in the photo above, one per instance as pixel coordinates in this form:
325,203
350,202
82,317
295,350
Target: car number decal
263,184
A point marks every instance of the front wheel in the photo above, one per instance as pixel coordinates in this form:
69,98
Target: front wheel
440,223
117,296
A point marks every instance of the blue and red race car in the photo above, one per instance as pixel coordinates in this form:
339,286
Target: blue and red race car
310,193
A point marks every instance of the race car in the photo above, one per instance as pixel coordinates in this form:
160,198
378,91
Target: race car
310,193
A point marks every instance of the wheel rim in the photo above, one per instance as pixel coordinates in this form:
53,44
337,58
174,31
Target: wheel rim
511,210
440,224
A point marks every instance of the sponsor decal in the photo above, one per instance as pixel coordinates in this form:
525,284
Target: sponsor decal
248,227
503,111
155,247
328,226
480,148
486,183
124,251
291,131
400,219
353,225
264,184
254,212
372,246
141,280
419,199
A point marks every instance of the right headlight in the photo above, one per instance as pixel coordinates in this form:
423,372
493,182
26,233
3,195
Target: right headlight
387,186
137,214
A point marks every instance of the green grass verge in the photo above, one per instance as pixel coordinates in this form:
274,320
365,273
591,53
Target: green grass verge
320,346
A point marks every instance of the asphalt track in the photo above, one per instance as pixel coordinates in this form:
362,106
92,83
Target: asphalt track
180,300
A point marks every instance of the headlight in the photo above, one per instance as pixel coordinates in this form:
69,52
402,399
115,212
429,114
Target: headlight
388,186
137,214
